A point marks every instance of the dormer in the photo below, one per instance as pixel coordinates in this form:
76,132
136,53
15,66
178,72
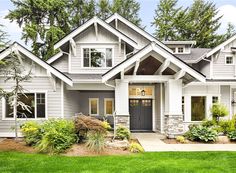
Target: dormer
180,47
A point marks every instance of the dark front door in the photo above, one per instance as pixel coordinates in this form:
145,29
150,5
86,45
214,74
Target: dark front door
140,114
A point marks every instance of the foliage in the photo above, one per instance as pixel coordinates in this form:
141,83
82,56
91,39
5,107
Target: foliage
136,148
201,133
230,31
58,135
209,123
32,132
84,123
95,141
3,38
106,125
232,135
226,126
122,132
219,110
181,139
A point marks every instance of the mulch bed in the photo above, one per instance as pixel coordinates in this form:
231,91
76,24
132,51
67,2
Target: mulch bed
10,144
174,141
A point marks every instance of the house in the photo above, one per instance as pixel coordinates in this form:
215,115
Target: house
113,67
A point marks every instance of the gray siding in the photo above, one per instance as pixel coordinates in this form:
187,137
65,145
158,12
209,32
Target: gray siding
71,103
61,63
53,98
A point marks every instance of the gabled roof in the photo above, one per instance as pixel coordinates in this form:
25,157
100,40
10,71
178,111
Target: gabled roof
189,42
156,48
222,45
54,57
137,29
27,53
89,23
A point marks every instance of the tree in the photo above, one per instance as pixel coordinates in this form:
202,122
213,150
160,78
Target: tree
128,9
15,71
164,20
47,19
230,31
3,38
219,110
103,9
202,24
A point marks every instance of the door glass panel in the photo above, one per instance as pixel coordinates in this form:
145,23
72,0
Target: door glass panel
134,103
146,103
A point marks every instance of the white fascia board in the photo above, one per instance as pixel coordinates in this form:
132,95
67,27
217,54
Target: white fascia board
179,63
127,63
222,45
137,29
37,60
89,23
54,57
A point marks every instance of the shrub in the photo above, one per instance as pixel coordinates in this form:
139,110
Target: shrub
232,135
122,132
83,124
181,139
32,133
226,126
106,125
219,110
136,148
58,135
209,123
201,133
95,141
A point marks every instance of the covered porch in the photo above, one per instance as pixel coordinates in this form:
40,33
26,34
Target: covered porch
148,90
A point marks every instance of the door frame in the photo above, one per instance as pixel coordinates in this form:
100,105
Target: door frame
147,97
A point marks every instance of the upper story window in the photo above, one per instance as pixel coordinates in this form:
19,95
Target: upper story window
180,50
229,60
97,57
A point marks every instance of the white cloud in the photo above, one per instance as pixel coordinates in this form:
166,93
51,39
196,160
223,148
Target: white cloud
229,13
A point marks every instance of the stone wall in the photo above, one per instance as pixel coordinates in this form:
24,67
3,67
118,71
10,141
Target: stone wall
123,120
173,125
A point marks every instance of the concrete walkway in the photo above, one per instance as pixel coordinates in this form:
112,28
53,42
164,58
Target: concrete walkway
152,142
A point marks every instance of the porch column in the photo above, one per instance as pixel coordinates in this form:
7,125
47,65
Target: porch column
122,103
173,123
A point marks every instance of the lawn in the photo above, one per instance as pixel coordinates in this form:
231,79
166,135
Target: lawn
171,162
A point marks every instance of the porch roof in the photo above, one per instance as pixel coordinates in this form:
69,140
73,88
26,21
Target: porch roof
168,62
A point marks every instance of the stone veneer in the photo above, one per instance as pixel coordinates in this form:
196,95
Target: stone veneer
173,125
122,120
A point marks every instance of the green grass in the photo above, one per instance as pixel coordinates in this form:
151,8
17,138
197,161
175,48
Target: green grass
171,162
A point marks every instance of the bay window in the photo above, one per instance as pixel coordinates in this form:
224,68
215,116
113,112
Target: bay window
97,57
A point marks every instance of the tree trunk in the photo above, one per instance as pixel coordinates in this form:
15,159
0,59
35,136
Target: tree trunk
15,116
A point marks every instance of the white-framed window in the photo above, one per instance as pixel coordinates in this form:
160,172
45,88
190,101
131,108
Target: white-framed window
36,103
180,49
93,106
198,108
108,106
97,57
215,99
229,60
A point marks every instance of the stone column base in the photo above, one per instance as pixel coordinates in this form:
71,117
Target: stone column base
173,125
122,120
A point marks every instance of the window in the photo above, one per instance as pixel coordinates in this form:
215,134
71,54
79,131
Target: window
215,99
198,108
108,106
36,102
93,106
229,60
137,91
100,57
180,49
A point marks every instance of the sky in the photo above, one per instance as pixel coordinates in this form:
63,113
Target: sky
227,8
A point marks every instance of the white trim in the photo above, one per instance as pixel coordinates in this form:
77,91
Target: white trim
89,23
190,42
34,58
54,57
97,47
137,29
113,106
229,56
90,99
35,92
163,53
162,68
161,108
10,134
148,78
221,46
62,99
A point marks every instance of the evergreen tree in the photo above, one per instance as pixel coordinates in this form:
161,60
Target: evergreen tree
164,20
45,18
103,9
230,31
3,38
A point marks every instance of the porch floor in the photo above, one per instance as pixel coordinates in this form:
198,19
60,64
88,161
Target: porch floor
152,142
